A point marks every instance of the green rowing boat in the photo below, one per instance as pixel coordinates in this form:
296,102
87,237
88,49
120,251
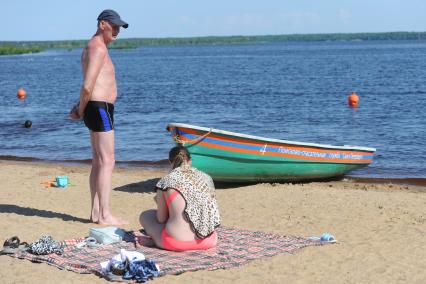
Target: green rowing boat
235,157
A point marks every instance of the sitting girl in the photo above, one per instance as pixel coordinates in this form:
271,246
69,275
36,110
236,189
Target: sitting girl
187,212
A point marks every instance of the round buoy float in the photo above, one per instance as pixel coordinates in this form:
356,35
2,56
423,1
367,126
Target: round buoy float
353,100
21,94
28,124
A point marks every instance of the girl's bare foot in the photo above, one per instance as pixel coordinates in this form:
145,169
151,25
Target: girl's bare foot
143,240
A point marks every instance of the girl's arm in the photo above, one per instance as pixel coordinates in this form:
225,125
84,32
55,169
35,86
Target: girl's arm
162,210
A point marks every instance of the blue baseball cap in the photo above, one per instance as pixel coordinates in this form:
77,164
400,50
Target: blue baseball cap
112,17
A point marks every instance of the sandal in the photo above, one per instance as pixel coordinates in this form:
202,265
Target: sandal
13,245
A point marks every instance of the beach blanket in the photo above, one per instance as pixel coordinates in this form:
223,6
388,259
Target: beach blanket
235,247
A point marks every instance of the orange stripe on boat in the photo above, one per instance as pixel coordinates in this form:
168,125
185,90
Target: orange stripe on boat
299,157
270,144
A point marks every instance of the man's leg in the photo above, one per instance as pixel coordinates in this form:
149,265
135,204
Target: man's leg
94,215
103,166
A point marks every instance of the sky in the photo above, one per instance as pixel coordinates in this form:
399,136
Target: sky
30,20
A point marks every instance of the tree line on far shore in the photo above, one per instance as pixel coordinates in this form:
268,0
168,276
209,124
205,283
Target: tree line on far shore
13,48
20,47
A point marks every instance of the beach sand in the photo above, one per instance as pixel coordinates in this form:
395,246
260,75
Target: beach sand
381,228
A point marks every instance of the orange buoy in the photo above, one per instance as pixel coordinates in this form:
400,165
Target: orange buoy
21,94
353,100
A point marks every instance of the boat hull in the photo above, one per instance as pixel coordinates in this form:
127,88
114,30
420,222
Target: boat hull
234,157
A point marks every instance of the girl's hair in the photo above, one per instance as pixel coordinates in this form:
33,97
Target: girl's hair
178,155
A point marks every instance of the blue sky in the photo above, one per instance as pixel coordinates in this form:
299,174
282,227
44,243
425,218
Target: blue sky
76,19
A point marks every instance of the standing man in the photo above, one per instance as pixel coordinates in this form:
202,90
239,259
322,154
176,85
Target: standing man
96,107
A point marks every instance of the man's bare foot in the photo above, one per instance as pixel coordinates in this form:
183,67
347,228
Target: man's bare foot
111,220
94,216
94,219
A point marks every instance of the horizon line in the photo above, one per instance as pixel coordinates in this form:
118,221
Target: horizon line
221,36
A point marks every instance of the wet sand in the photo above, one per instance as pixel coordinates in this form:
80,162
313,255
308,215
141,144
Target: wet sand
381,227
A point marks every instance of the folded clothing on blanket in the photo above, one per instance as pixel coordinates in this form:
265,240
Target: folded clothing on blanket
142,270
130,265
45,245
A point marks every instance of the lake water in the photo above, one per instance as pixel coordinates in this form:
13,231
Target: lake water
292,90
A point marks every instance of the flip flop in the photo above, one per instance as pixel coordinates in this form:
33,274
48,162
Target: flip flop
89,242
13,245
326,237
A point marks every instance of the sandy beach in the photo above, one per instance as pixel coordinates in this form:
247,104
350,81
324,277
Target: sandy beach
381,228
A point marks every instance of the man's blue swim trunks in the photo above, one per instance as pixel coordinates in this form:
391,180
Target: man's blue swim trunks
99,116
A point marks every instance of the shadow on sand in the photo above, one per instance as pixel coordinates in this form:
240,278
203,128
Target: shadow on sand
227,185
27,211
146,186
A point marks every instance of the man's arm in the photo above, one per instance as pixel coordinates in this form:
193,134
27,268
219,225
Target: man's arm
95,59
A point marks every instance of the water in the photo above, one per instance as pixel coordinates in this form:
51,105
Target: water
291,91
